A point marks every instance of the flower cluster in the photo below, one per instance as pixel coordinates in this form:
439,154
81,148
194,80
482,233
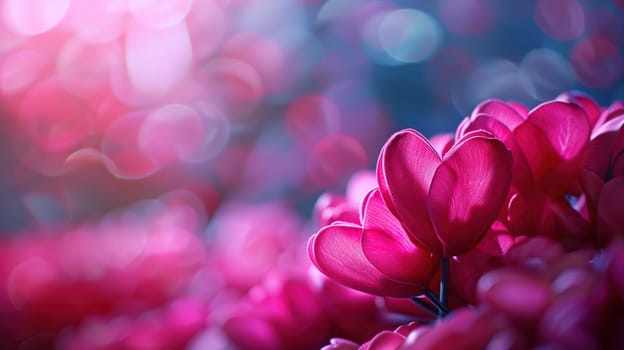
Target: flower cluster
515,217
143,278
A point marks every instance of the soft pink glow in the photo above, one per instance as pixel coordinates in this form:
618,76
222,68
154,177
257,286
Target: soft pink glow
20,69
597,62
32,17
173,132
159,13
145,59
467,17
560,19
120,145
311,118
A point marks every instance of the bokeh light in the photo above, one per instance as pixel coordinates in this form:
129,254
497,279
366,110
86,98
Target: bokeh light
32,17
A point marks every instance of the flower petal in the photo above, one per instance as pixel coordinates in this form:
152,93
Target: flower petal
521,171
388,247
564,124
591,108
501,111
554,140
610,210
442,143
468,190
592,185
519,295
337,252
359,185
406,166
614,111
330,208
386,340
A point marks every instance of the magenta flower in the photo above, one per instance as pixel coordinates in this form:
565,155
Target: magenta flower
171,327
376,257
261,233
384,340
120,267
549,147
283,312
602,179
445,203
331,207
591,108
610,221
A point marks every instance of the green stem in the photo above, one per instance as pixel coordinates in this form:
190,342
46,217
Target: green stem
424,306
442,309
444,281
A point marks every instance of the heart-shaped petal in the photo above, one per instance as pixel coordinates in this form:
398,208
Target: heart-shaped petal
554,140
591,108
564,124
501,111
468,190
405,170
521,171
388,247
336,251
520,108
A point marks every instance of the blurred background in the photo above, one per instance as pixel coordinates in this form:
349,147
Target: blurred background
107,102
162,119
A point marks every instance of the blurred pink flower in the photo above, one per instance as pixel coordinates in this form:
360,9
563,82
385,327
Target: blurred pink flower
281,313
132,261
247,241
170,327
332,207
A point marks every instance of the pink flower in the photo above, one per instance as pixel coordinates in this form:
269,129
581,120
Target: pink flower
486,256
284,312
376,257
610,218
606,149
591,108
549,147
248,241
133,261
445,203
358,316
602,179
170,328
465,329
384,340
332,207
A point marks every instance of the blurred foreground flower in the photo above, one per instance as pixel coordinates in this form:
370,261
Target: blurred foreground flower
131,262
